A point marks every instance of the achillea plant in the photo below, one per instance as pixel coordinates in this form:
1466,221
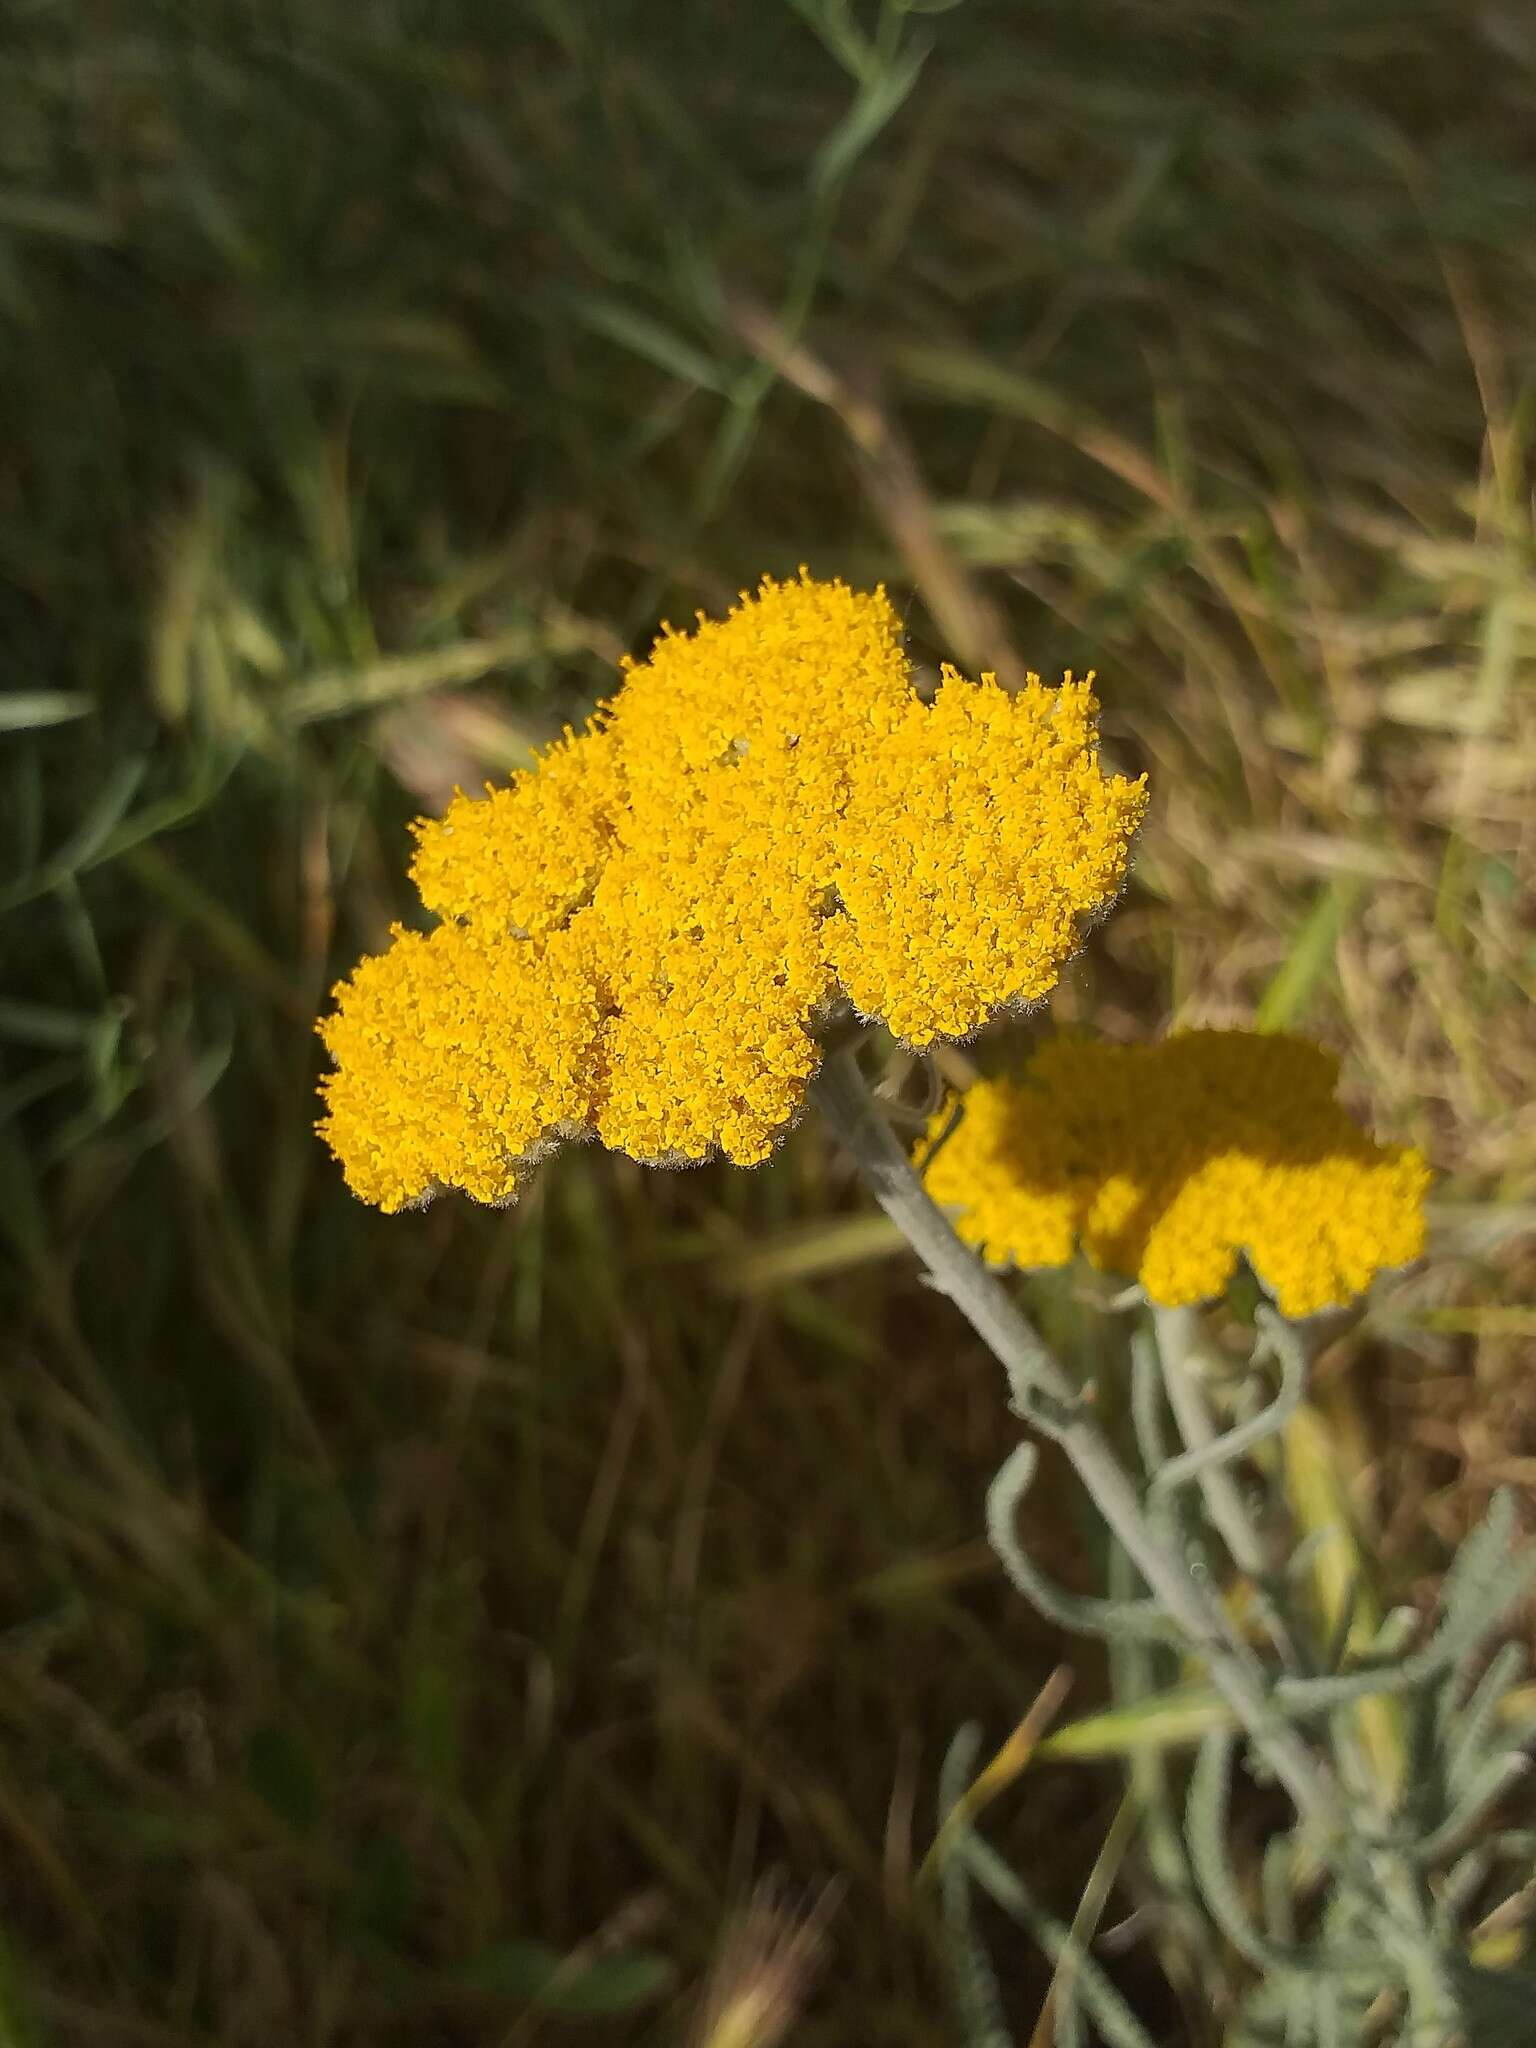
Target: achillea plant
644,939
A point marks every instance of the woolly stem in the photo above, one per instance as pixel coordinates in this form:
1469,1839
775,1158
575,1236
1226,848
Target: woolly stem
1181,1347
1043,1395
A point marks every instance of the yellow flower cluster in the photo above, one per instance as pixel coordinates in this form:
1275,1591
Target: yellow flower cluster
1167,1161
640,933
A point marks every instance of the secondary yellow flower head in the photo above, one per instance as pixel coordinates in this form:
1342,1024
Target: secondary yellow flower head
641,933
1167,1161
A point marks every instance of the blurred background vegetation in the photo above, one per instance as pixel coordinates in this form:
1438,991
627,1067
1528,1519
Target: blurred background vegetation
436,1629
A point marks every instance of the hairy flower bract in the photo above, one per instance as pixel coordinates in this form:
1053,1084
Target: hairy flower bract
1167,1161
641,933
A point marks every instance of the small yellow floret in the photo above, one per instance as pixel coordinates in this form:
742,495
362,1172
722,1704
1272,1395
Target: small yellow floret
1167,1161
651,921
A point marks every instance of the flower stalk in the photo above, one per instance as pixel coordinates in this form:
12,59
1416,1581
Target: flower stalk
1042,1395
1181,1351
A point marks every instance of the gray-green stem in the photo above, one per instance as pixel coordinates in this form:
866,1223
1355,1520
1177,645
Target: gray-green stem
1181,1348
1043,1395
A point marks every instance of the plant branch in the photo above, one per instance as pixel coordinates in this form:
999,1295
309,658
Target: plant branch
1180,1346
1044,1396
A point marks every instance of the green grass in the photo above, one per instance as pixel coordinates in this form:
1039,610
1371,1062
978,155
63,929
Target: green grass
430,1629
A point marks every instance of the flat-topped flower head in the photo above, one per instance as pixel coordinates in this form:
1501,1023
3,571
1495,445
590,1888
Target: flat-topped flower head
642,932
1168,1161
